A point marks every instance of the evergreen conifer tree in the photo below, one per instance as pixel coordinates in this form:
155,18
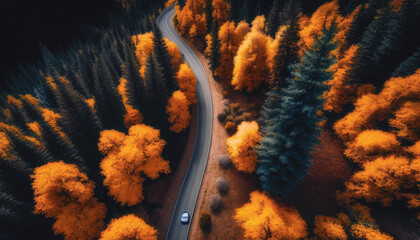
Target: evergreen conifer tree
287,54
408,66
214,49
273,22
163,58
209,14
291,120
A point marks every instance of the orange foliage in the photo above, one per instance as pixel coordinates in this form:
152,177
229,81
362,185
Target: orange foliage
52,118
138,155
373,108
407,121
209,42
176,58
187,82
91,103
396,5
230,40
370,144
259,24
34,127
383,179
343,28
361,231
251,63
323,17
415,149
51,83
14,102
144,47
341,90
221,11
129,227
83,222
240,146
57,184
329,228
6,148
169,3
263,218
132,116
192,19
178,111
273,46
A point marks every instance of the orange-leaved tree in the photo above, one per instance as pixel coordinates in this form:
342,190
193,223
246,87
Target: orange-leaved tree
191,19
230,40
360,231
251,62
384,180
329,228
187,82
63,192
370,144
323,17
144,47
129,160
263,218
221,9
178,109
132,116
129,227
341,90
241,146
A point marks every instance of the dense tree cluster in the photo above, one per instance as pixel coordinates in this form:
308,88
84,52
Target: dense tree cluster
99,115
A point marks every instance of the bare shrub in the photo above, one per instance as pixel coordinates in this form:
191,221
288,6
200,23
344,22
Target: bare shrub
224,161
216,204
222,185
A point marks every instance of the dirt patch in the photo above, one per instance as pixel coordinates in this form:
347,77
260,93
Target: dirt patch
241,185
327,174
161,194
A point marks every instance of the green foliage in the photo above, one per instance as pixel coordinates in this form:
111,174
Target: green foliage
205,222
290,120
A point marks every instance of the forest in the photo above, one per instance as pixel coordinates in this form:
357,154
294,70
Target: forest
320,123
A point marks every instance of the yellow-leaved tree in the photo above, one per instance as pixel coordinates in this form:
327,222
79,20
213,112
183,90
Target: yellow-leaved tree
129,159
263,218
329,228
241,146
129,227
251,62
178,109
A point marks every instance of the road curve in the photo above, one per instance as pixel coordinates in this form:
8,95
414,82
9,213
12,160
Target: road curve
190,188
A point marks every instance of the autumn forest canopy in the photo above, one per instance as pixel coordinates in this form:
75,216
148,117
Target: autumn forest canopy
84,132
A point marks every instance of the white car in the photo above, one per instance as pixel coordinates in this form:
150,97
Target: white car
185,218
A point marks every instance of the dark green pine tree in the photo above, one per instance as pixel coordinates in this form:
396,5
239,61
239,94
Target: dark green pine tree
81,125
163,58
214,49
60,147
287,54
365,60
209,14
157,95
108,104
32,154
15,176
408,66
273,22
290,120
136,91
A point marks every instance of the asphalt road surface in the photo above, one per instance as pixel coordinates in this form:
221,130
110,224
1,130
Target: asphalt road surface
188,194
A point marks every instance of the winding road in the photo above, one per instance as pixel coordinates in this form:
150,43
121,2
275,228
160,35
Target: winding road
188,194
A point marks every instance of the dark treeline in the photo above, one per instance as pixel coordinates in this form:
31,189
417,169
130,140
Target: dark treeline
67,127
